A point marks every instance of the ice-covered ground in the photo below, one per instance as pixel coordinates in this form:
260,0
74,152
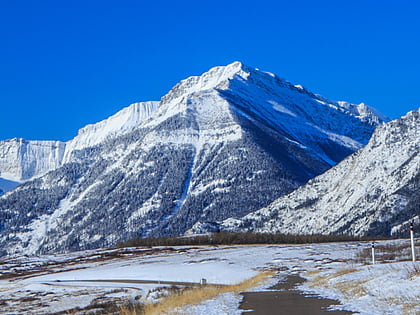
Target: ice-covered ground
48,284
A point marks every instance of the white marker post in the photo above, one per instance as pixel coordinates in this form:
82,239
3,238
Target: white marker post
373,253
413,251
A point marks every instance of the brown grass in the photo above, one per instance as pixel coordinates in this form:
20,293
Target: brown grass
323,280
351,288
313,272
414,271
192,296
348,288
411,308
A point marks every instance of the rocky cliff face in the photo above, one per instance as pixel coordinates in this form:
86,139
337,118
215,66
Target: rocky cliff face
375,191
219,145
22,160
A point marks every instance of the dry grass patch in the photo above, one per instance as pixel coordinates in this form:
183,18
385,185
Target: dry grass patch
354,288
323,280
351,288
347,288
414,271
343,272
411,308
192,296
313,272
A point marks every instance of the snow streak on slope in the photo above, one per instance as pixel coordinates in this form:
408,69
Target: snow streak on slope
216,146
373,192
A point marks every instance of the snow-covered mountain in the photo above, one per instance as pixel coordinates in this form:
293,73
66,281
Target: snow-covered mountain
22,160
375,191
222,144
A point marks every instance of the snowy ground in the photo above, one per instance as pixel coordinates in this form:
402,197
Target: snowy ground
50,284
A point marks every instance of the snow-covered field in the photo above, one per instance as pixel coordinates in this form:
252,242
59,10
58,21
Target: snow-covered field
50,284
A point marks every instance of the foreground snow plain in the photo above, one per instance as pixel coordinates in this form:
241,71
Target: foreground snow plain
52,284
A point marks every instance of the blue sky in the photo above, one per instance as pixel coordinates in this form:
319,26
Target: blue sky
64,64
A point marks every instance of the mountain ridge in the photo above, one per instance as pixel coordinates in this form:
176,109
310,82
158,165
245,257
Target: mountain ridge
16,165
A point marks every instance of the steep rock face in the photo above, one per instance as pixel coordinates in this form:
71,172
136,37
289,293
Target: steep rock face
375,191
21,159
223,144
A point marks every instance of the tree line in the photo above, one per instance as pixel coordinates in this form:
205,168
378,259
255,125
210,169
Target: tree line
233,238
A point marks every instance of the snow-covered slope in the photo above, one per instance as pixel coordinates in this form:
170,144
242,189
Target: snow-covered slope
375,191
122,122
222,144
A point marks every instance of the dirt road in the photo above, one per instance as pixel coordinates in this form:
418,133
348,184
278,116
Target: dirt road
283,298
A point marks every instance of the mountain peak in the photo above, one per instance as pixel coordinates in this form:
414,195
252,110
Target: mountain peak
236,67
216,77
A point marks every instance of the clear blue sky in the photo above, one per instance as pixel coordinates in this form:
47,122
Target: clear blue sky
64,64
